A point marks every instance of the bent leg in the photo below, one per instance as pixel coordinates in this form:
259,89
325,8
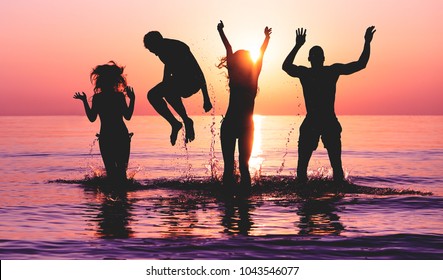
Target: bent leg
177,103
156,97
181,88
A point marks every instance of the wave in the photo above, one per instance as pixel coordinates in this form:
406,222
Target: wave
264,184
385,247
399,180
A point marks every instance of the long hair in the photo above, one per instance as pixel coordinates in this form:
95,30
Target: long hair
239,59
108,77
240,68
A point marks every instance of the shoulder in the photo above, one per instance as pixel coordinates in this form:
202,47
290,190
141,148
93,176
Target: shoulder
328,70
303,69
97,100
295,70
96,97
175,43
335,67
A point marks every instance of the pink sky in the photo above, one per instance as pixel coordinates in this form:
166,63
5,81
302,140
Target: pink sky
48,49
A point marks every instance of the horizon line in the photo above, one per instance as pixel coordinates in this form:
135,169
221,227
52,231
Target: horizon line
210,115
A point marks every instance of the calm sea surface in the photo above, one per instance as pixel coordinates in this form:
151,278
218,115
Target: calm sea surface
50,207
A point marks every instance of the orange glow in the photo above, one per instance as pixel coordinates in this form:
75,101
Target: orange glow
255,54
42,68
256,160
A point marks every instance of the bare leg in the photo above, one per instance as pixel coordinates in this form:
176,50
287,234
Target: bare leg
156,98
335,159
304,155
332,142
177,103
245,143
123,158
307,143
108,156
228,149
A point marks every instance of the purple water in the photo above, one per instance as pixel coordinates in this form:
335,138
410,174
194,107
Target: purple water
176,209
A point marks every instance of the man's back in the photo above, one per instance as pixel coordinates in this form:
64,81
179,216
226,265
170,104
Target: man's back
178,58
319,88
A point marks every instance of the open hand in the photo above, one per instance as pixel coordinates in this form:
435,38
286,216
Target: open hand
268,31
300,39
369,33
130,92
81,96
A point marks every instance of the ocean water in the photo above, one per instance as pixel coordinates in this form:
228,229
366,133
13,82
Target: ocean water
52,207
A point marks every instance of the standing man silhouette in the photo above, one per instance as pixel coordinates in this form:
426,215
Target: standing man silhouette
182,77
319,87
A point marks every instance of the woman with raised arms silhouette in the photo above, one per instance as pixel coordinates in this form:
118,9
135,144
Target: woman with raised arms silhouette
238,123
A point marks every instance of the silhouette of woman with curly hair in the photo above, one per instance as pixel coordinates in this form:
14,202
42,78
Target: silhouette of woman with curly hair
108,102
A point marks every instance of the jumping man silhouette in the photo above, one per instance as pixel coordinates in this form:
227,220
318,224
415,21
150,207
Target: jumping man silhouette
182,77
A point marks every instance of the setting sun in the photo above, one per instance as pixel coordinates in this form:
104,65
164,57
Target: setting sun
255,54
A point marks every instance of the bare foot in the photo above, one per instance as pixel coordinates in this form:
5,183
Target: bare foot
189,127
175,129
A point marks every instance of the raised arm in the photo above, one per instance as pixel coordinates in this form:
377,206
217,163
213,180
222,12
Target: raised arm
288,65
207,105
268,32
127,114
361,63
225,41
90,113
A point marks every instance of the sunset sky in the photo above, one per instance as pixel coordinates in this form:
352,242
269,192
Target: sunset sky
48,48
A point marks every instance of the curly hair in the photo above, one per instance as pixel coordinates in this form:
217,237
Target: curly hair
108,76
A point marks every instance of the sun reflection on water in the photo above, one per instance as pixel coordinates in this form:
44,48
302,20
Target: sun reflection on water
257,159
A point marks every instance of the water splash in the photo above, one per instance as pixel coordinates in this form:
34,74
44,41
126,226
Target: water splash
132,171
325,173
258,172
321,173
95,170
288,139
213,163
277,186
186,173
92,145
